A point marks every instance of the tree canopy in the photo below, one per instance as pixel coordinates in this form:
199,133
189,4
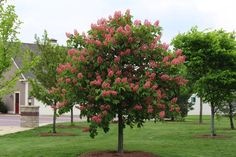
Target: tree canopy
121,68
211,63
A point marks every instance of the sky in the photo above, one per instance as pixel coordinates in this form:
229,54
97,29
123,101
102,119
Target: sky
175,16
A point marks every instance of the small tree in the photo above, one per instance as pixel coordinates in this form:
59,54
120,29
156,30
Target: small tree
45,83
229,109
121,68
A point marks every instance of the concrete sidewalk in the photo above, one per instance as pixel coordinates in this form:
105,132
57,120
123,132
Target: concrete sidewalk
11,123
11,129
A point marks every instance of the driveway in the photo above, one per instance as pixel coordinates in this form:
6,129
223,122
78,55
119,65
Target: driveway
11,123
14,120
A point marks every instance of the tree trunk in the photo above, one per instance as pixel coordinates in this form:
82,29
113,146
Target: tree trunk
54,120
71,117
120,131
213,133
231,116
200,114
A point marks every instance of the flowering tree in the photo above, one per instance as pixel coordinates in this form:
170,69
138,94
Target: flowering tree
44,85
121,68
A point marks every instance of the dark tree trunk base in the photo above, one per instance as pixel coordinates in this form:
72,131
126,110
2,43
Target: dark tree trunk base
54,120
231,117
120,148
213,132
200,114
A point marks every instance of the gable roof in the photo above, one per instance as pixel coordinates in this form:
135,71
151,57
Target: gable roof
18,60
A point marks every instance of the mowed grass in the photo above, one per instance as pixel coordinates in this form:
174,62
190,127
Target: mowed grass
167,139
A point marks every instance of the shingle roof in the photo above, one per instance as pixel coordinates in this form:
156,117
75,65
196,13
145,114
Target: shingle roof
33,48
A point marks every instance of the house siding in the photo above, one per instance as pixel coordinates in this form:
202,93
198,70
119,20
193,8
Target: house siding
19,87
206,109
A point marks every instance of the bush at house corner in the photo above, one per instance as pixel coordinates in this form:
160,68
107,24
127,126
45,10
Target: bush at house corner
3,107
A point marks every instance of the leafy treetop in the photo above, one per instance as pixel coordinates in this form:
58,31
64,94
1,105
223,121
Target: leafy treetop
121,67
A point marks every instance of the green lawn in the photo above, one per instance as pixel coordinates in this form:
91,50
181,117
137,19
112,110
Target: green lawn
168,139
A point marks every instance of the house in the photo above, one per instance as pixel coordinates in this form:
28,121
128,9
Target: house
21,92
206,109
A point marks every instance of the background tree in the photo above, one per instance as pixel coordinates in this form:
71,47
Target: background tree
45,82
9,44
209,60
121,68
229,109
195,49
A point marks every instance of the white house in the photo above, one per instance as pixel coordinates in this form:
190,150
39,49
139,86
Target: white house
206,109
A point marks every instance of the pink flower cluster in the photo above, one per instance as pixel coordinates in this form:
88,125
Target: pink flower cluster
137,22
162,114
165,46
117,15
165,77
180,80
68,80
125,53
68,35
178,60
72,52
105,85
59,105
63,67
174,100
99,60
110,72
167,58
147,23
97,119
147,84
172,108
118,73
134,87
138,107
160,94
126,31
79,75
178,52
109,92
152,64
96,82
177,109
117,59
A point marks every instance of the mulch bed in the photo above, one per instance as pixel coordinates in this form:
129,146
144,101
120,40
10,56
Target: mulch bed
208,136
115,154
85,129
56,134
69,126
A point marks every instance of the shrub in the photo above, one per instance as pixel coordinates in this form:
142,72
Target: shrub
3,107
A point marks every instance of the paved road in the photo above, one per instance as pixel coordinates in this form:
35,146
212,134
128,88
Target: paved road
14,120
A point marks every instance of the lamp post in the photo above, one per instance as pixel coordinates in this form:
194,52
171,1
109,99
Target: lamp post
29,101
